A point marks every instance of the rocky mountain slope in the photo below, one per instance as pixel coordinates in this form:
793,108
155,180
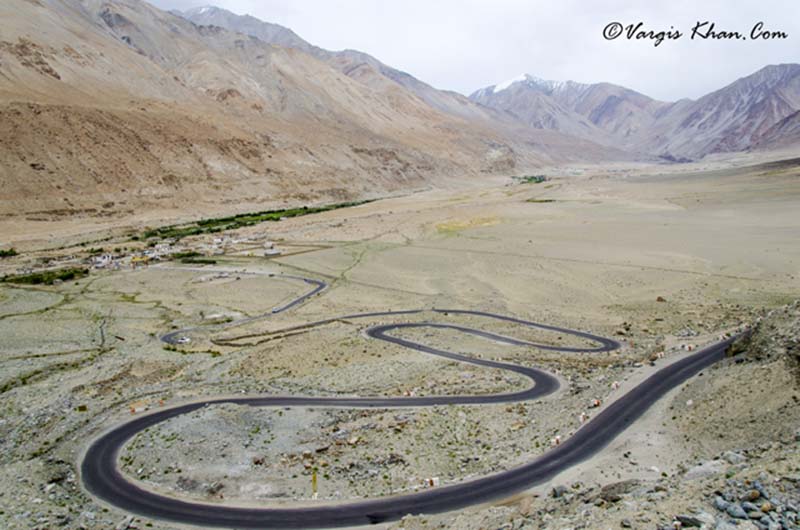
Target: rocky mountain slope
531,101
784,133
734,118
355,64
730,119
743,115
114,107
604,112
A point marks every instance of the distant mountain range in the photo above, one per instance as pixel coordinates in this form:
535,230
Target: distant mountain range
748,113
733,118
114,107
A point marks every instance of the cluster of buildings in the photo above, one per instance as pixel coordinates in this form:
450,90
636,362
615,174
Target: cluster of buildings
167,249
115,261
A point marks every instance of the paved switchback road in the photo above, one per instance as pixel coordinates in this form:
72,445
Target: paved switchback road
103,479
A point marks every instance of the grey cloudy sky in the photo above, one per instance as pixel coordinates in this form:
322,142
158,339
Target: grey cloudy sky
464,45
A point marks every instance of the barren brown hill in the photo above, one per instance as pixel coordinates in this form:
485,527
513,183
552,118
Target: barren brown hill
353,63
115,106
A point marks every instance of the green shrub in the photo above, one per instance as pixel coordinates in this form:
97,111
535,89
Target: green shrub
199,261
184,255
232,222
47,277
531,179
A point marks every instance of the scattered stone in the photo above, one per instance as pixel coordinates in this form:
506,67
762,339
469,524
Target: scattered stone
734,510
706,469
214,488
734,458
188,484
750,507
614,492
688,521
558,492
705,518
721,504
751,495
125,523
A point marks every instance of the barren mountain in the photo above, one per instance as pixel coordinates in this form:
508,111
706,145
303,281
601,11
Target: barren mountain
734,118
619,110
115,107
587,110
784,133
117,103
248,25
355,64
526,99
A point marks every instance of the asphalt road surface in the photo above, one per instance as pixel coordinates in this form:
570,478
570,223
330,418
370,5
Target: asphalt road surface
102,478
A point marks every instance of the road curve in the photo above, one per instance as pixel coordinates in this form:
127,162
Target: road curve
173,336
102,478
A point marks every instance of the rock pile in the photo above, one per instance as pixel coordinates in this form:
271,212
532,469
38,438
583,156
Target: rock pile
768,510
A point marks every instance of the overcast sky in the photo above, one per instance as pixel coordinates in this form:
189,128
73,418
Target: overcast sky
464,45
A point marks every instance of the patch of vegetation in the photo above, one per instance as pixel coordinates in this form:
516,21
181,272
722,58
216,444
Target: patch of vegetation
46,277
173,348
95,251
219,224
7,253
530,179
184,255
455,226
199,261
541,201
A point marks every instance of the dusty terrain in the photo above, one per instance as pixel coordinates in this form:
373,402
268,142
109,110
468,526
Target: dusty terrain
659,259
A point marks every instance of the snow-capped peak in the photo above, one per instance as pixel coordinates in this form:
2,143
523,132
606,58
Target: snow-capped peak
201,10
504,85
531,80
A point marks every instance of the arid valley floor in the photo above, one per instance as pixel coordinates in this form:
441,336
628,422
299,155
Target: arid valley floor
661,258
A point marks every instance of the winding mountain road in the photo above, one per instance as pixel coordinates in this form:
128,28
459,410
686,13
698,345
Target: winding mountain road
173,336
102,477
